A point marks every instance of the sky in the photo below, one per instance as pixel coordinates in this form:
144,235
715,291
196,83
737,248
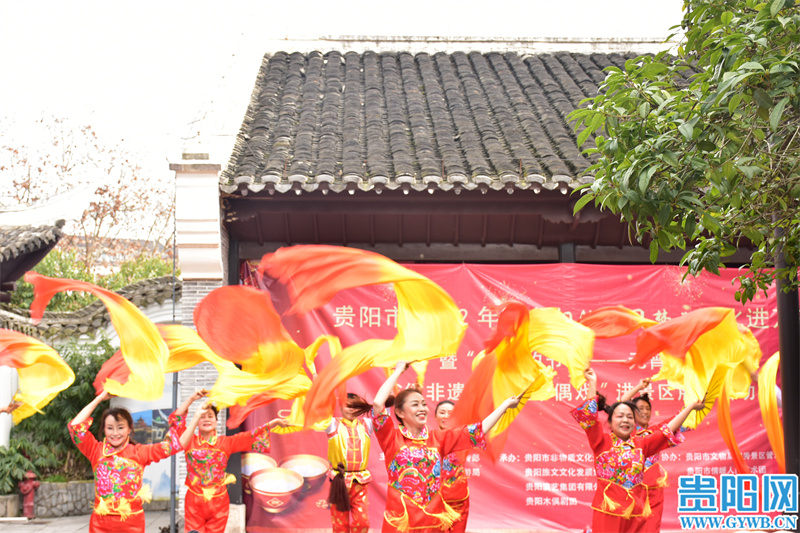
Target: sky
143,72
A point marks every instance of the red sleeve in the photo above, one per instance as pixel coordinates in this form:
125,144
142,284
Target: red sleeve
385,432
145,454
256,440
660,439
586,415
462,438
84,440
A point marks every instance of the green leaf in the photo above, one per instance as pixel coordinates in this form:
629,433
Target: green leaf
762,98
653,251
585,199
726,18
664,214
644,109
752,65
689,225
710,223
653,69
777,113
733,103
686,130
670,158
776,6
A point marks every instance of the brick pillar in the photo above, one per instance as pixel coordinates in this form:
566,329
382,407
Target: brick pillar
202,259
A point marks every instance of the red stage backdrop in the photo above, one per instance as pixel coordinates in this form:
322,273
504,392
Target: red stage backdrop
544,480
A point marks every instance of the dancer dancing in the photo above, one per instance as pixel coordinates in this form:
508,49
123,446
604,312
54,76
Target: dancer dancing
455,490
207,503
118,463
348,452
413,457
620,501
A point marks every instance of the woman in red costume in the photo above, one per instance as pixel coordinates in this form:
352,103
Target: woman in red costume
655,477
207,503
118,464
414,457
348,452
620,502
455,490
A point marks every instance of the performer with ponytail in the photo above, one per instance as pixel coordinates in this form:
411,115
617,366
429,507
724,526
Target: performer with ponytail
118,463
620,502
348,452
455,490
207,503
413,457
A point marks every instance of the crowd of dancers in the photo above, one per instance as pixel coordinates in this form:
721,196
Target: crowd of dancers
427,489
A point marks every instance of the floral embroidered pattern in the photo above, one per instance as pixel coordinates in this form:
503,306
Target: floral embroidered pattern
476,436
117,478
586,414
416,472
261,436
452,469
622,464
205,466
78,431
673,438
407,434
379,420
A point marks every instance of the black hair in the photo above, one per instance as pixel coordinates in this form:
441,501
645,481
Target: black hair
354,401
118,414
443,402
401,398
609,409
643,397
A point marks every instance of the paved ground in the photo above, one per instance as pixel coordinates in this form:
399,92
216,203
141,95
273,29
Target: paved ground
154,521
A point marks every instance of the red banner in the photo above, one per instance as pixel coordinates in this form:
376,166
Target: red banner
544,480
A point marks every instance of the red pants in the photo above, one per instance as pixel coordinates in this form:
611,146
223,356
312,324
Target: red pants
357,520
460,525
606,523
112,523
206,516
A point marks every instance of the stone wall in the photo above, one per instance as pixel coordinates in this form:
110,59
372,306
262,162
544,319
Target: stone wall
64,499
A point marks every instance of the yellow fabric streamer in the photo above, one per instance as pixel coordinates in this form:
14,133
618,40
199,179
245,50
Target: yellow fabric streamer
42,372
703,370
517,370
143,350
768,402
554,335
429,323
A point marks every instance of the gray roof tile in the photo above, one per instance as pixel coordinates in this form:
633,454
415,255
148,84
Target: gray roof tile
373,120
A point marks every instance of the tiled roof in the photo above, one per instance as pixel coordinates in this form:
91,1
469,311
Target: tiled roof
92,317
396,120
20,240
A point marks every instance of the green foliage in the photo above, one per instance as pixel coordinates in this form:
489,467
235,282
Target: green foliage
20,456
48,431
702,150
65,264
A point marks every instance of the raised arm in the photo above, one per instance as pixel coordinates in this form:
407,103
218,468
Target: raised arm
591,381
628,396
676,423
184,407
489,422
386,389
186,436
87,411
